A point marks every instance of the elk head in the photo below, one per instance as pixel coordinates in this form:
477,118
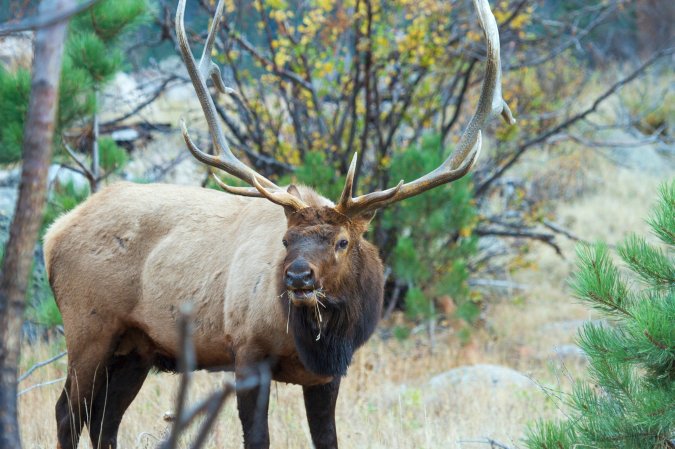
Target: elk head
324,242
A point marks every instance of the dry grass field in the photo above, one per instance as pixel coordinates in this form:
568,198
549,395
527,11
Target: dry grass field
386,401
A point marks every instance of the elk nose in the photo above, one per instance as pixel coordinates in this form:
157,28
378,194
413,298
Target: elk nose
299,275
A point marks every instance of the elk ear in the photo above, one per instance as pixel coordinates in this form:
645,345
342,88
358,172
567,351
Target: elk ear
367,217
293,190
363,220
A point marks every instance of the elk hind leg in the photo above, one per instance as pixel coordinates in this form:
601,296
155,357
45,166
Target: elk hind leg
124,377
68,427
86,363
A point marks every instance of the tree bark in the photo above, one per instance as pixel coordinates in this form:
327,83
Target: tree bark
37,149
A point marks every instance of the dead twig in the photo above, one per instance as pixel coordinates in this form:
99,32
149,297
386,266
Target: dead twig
555,227
40,365
494,444
211,406
43,384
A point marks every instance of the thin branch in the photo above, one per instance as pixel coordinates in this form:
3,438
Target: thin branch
42,21
84,169
555,227
40,365
493,443
576,34
43,384
162,170
160,89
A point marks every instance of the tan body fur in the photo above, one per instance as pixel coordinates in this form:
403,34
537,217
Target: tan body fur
119,282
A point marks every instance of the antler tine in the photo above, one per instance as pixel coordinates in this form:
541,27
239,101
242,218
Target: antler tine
241,191
346,196
348,203
225,160
465,155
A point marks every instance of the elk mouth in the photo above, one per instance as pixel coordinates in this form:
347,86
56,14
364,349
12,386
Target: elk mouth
305,297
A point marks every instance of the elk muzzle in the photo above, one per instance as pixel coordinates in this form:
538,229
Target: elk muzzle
300,282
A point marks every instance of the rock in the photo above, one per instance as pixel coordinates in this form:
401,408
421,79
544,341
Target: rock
481,387
567,326
480,376
16,51
10,178
8,196
124,135
570,352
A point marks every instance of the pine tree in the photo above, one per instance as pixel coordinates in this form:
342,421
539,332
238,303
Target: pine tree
93,56
628,400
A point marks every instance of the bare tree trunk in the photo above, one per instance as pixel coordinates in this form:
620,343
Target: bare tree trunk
37,149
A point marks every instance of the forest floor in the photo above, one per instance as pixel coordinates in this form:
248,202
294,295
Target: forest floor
387,399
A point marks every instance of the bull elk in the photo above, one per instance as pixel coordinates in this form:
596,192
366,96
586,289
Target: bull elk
295,285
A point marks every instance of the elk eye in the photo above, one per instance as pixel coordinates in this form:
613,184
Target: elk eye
342,244
285,243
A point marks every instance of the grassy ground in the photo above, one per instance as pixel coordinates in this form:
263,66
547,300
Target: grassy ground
521,331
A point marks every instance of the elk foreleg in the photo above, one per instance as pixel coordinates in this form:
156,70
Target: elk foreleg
320,406
253,403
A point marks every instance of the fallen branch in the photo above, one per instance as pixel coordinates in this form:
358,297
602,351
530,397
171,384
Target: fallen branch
548,239
40,365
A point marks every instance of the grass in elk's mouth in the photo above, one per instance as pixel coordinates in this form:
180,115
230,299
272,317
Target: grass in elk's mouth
314,296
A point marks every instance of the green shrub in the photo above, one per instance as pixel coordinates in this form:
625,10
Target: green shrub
434,236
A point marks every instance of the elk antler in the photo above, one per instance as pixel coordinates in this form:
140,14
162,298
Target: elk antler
465,154
225,160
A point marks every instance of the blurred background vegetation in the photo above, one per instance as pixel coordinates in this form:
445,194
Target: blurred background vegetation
316,80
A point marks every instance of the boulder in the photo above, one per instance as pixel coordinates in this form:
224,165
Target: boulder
480,376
